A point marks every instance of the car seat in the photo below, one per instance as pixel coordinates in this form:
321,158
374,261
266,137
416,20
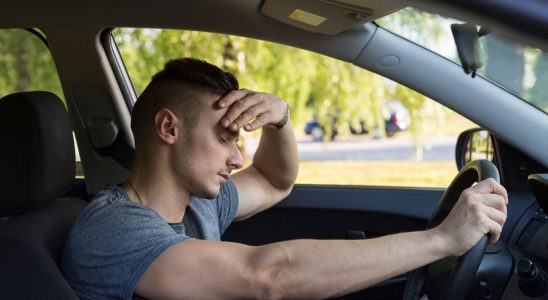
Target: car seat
37,169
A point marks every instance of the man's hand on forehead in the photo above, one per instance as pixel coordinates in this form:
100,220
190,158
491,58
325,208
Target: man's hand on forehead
251,110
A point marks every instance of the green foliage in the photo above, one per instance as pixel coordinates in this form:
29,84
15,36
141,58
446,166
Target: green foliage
312,84
26,64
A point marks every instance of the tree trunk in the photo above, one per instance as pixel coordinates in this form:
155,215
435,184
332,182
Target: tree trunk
234,62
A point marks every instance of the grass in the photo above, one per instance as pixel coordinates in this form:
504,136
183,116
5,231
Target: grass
383,173
375,173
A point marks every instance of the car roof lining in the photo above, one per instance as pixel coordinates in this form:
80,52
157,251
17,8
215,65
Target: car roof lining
519,20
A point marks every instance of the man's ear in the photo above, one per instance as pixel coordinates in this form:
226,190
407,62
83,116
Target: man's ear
166,124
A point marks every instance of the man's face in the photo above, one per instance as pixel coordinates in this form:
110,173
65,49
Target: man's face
208,152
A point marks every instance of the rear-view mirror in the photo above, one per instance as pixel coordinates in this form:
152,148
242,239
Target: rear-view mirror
468,47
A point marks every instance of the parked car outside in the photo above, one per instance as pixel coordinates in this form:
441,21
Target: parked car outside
396,119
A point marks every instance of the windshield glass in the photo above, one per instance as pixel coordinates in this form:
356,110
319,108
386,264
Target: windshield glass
520,70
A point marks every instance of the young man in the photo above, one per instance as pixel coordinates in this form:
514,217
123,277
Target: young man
158,235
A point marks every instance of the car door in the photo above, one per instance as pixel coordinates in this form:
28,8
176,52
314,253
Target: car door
342,212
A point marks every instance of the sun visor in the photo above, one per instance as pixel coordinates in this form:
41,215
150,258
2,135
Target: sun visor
326,16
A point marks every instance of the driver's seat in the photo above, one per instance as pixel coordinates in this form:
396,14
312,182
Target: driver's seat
37,168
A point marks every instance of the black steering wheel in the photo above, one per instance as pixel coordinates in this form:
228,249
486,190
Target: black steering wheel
450,278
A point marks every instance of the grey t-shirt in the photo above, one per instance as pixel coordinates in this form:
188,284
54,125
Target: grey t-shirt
114,240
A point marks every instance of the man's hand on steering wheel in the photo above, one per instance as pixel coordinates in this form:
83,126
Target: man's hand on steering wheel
480,210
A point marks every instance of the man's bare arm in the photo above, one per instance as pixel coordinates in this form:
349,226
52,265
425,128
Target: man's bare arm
274,169
299,269
319,269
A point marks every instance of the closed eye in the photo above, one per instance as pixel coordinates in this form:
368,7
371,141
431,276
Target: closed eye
223,140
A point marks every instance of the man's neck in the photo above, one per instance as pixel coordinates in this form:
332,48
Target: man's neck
159,191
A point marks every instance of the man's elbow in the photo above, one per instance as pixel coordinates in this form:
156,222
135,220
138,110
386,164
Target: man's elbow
285,188
286,181
283,184
282,180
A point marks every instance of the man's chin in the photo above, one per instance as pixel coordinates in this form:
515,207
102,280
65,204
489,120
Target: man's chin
207,193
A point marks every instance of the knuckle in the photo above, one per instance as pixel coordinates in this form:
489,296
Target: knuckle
501,203
232,115
485,223
496,230
469,199
491,181
475,208
250,112
239,104
503,219
467,193
233,92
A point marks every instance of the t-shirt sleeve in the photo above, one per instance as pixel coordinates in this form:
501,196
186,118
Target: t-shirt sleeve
227,205
121,251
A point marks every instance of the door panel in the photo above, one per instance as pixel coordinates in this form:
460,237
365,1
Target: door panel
331,212
320,212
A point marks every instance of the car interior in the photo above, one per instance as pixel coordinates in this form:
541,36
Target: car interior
40,197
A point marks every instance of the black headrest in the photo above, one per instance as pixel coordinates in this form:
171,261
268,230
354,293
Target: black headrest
36,151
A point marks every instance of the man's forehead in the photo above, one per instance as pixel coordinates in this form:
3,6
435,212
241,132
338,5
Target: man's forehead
215,114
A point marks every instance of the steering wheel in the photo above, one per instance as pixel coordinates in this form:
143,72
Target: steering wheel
450,278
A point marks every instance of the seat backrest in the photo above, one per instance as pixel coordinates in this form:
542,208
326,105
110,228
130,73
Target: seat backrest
37,168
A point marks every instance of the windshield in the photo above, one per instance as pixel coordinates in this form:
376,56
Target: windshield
520,70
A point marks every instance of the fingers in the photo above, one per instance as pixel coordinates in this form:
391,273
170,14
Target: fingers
489,186
232,97
495,215
488,210
495,201
250,110
241,110
259,122
243,116
495,230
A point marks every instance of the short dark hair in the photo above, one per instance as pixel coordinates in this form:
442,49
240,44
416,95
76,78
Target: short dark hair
179,87
199,73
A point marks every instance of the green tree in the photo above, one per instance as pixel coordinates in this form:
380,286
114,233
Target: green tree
26,64
313,85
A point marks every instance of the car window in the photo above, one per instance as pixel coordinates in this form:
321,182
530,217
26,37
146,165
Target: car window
520,70
353,127
26,65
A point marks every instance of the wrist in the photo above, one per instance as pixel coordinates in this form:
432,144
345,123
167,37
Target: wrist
280,124
441,241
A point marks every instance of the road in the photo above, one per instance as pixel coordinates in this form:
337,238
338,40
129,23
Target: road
366,148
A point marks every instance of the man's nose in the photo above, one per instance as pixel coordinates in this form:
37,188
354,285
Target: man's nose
235,160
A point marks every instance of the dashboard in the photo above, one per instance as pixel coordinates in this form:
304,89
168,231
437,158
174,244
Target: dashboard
518,269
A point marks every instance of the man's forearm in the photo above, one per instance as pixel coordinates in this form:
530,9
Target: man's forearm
276,157
321,269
